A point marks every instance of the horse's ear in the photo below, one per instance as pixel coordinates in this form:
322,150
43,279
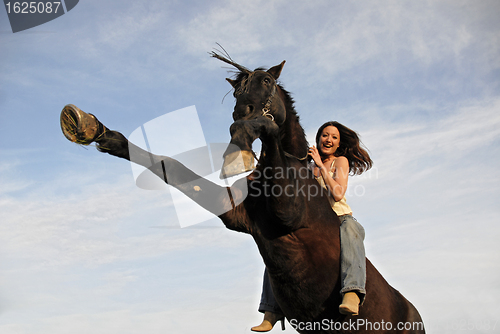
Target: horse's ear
232,82
276,70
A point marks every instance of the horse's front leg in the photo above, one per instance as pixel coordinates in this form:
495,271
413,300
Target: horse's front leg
277,179
224,202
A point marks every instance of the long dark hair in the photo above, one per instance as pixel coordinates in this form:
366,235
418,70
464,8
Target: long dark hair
350,147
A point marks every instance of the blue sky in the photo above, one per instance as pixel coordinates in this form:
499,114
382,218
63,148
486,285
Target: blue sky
83,249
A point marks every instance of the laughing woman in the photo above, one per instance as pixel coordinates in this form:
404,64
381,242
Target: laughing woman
337,154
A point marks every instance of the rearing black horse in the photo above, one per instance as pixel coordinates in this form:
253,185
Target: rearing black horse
280,204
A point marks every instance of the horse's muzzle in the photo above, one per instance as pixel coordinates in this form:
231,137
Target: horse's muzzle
236,163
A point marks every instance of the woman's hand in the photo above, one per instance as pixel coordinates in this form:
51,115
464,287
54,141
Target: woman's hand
314,153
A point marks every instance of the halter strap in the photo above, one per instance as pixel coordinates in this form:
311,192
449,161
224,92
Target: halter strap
267,107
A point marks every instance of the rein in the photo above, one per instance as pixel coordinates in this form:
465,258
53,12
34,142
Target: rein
293,156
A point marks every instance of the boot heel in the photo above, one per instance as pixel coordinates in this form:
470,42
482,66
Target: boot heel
283,323
270,319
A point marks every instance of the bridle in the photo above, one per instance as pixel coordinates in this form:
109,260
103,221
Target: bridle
266,111
267,107
244,86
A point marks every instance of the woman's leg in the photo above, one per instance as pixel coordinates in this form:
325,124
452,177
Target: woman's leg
352,257
270,308
267,301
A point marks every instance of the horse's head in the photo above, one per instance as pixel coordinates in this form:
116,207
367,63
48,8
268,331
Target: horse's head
257,97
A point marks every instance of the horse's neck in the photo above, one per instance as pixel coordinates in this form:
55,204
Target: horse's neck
294,140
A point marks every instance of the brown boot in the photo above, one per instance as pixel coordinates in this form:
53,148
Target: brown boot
270,319
350,304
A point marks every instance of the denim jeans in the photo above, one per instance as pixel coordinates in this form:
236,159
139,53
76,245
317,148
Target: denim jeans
352,256
352,265
267,301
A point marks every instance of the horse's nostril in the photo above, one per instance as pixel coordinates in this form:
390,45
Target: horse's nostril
250,109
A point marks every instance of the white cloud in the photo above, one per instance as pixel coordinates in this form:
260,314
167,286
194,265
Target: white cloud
120,28
450,135
96,223
239,26
394,32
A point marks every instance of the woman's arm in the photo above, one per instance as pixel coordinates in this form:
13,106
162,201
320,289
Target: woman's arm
337,185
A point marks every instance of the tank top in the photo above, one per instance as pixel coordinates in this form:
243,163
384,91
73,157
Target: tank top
341,207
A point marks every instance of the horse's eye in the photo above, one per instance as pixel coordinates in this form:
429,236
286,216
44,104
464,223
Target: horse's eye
267,81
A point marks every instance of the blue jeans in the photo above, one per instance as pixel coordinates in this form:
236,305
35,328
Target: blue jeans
267,301
352,257
352,265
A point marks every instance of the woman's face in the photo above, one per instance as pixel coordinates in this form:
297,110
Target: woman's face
329,140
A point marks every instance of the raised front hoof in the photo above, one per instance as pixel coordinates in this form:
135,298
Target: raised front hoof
237,162
78,126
